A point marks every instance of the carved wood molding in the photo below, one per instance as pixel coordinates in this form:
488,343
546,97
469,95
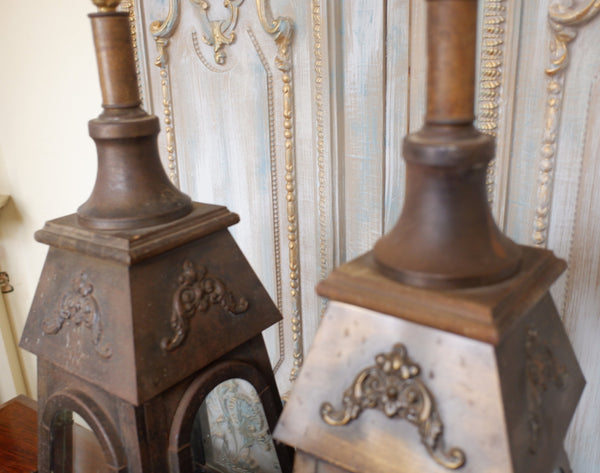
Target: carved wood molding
219,33
282,30
322,192
274,197
129,7
162,30
563,25
492,75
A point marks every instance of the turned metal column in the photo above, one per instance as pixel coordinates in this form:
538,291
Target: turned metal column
446,236
132,188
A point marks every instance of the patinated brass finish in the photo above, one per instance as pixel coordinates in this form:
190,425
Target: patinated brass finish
395,387
446,236
145,303
470,304
132,188
198,291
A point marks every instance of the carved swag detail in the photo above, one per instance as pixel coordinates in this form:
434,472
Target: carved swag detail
79,307
394,386
198,291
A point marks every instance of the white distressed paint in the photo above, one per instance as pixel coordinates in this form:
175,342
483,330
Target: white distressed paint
366,88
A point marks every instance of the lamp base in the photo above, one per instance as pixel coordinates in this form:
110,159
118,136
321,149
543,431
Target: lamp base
418,380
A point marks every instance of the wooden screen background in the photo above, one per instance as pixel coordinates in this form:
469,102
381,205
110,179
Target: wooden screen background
292,113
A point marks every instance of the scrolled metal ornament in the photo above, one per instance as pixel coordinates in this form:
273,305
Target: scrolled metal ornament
394,386
80,308
198,291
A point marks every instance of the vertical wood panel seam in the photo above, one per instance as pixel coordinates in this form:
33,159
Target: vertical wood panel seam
323,256
337,128
384,111
569,272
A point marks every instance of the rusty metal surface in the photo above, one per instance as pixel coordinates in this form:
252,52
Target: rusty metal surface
106,322
446,236
145,303
154,437
132,189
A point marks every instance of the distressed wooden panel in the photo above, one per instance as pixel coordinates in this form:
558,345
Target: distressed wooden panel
357,77
364,40
228,133
582,299
224,136
396,107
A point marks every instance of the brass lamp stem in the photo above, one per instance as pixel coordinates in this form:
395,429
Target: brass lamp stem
112,41
132,189
451,26
446,236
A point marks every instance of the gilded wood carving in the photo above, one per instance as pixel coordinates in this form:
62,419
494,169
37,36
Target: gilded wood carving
323,203
219,33
563,25
492,61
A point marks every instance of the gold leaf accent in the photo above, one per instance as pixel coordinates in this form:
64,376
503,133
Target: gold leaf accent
282,29
317,24
274,198
492,75
563,23
106,5
162,30
219,33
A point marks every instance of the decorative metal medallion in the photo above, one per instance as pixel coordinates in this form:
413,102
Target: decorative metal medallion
80,308
394,386
542,371
198,291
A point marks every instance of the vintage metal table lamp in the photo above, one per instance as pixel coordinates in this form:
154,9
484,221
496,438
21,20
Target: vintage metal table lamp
441,349
145,302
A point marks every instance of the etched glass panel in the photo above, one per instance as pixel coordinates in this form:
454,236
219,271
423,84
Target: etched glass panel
231,434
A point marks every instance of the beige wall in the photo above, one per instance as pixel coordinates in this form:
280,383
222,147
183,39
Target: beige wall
48,92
